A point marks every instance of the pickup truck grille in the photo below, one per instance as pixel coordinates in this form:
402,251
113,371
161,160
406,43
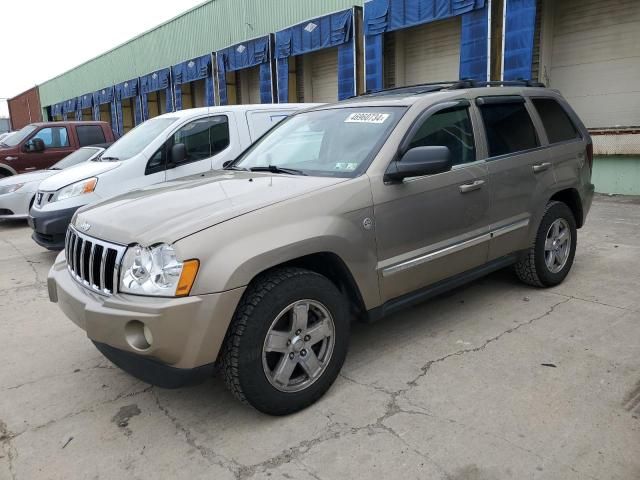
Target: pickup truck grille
93,263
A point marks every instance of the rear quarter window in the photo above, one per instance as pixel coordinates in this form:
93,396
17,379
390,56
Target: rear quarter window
509,128
90,135
555,120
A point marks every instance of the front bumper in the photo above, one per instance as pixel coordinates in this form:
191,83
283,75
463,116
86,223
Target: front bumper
187,332
50,227
15,205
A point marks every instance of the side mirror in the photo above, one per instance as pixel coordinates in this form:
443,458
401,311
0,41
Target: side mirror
35,145
178,153
419,161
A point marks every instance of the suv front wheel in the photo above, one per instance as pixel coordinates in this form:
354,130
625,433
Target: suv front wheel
287,342
549,259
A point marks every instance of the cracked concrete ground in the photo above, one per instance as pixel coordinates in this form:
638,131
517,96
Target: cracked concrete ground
493,381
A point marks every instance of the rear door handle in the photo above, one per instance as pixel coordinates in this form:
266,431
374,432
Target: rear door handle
470,187
541,167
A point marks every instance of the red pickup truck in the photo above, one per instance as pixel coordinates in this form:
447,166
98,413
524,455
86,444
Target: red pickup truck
40,145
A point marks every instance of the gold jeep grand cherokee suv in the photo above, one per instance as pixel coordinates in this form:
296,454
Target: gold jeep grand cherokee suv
346,211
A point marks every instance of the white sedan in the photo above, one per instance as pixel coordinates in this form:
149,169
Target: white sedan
17,192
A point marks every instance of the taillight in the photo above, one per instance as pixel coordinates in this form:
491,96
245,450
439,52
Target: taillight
590,155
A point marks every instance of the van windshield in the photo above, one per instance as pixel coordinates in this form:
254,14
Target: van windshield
335,142
137,139
17,137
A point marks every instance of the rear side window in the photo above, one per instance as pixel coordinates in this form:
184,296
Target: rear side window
557,123
448,128
509,128
90,135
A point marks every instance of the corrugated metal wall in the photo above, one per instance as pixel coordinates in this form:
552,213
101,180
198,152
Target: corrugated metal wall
203,29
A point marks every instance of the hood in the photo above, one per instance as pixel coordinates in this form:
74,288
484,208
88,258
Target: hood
36,176
75,174
170,211
8,150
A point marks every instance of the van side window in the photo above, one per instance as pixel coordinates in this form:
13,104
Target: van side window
449,128
204,138
53,137
557,123
90,135
509,128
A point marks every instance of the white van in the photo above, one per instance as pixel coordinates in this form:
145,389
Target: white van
164,148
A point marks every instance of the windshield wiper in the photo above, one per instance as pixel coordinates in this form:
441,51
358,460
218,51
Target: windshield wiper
3,144
233,167
276,169
108,159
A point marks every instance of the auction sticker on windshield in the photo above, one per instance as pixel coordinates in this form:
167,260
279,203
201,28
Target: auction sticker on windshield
367,118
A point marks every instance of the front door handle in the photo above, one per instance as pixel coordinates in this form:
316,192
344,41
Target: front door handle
541,167
470,187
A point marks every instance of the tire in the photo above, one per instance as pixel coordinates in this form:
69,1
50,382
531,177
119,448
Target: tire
267,312
533,267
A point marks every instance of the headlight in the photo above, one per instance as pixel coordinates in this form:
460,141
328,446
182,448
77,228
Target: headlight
156,271
75,189
11,188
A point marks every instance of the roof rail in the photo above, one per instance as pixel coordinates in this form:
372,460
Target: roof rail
452,85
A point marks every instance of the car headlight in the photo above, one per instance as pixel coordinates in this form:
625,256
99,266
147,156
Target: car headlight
11,188
156,271
75,189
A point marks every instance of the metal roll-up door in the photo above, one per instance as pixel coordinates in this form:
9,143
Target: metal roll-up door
595,59
428,53
324,76
249,85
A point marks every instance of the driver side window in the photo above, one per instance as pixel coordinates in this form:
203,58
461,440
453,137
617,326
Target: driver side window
448,128
202,138
53,137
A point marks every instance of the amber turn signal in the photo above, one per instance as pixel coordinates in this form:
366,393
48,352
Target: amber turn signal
188,276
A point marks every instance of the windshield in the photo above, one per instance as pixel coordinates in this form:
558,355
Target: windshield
137,139
76,157
337,142
17,137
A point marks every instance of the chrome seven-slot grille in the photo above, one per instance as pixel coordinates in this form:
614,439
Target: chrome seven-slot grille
92,262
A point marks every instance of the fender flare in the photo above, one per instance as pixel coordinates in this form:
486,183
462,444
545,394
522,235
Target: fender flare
11,170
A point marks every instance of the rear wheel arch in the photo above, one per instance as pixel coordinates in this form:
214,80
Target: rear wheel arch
6,171
571,198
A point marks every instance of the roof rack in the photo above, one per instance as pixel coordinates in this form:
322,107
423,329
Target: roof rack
421,88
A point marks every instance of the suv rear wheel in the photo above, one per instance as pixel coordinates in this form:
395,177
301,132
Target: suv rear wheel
549,259
287,342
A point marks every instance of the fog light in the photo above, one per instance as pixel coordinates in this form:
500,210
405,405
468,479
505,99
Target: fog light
138,335
148,336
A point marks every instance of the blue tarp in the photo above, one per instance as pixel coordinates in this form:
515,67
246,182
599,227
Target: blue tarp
382,16
69,107
160,80
126,89
189,71
102,96
56,110
123,91
520,26
473,45
246,55
82,102
334,30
